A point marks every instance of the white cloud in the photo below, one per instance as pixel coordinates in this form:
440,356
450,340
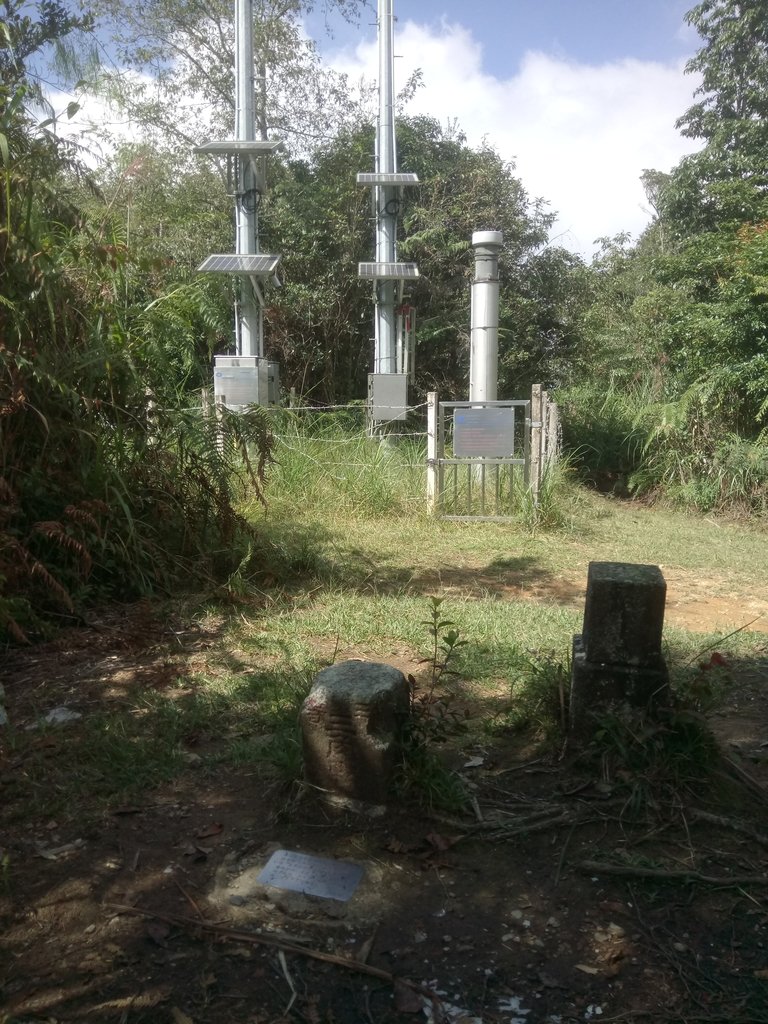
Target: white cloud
97,126
580,135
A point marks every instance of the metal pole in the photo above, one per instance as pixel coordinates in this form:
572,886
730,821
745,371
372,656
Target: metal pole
432,454
385,358
484,339
250,334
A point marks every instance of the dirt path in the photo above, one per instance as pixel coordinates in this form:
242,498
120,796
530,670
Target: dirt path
498,915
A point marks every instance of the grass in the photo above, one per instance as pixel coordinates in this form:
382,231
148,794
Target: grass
346,571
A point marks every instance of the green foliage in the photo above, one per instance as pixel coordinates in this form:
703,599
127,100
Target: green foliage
22,37
320,321
698,464
445,645
678,327
182,90
109,481
625,442
603,433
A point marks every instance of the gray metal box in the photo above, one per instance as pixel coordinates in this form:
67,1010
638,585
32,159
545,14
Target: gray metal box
388,396
239,381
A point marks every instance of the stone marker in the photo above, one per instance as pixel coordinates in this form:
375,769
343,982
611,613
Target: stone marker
617,659
351,723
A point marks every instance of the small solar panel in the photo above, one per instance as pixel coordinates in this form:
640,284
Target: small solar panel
387,179
224,263
388,271
255,146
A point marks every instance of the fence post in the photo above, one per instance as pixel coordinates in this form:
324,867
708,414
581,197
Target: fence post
553,433
536,438
432,467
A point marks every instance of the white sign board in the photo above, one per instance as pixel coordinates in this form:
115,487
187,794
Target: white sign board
484,433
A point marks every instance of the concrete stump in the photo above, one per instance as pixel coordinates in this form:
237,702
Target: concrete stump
351,723
617,659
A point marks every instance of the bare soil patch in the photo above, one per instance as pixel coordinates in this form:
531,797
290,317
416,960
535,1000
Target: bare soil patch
131,913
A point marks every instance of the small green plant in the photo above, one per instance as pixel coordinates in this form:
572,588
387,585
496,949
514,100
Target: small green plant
445,645
433,719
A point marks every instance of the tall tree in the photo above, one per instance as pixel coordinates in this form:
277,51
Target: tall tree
320,323
175,68
92,483
727,181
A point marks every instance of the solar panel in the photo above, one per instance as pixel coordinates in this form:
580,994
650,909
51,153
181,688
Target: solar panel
388,271
387,179
255,146
259,265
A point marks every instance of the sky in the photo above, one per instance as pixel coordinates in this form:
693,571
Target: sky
581,95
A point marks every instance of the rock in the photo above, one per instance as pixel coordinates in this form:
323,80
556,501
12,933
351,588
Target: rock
351,723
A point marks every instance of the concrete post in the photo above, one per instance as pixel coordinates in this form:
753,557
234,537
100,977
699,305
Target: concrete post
536,437
617,658
553,433
351,723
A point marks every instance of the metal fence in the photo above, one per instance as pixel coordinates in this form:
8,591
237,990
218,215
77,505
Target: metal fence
482,456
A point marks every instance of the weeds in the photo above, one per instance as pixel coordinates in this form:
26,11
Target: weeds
655,760
539,700
628,441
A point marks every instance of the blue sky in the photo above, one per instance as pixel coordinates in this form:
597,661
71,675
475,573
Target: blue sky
586,30
581,95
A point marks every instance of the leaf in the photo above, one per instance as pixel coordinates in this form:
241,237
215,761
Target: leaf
441,843
158,931
179,1017
586,969
214,829
406,1000
475,762
396,846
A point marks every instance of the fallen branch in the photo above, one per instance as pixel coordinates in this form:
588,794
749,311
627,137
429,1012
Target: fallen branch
731,823
747,778
229,934
594,867
524,828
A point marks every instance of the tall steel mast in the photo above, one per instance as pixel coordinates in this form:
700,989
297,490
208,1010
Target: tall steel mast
250,330
392,356
386,195
246,378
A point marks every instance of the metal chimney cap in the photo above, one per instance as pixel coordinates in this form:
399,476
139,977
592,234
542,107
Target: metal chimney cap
488,238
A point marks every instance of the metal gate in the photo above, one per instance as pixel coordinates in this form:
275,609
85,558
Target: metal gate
479,457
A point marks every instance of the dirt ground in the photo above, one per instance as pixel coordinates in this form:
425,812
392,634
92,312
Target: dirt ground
152,912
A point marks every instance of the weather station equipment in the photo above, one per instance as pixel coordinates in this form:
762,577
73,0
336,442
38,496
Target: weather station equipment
248,377
394,338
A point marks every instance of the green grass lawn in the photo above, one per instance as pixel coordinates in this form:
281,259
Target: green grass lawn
332,579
